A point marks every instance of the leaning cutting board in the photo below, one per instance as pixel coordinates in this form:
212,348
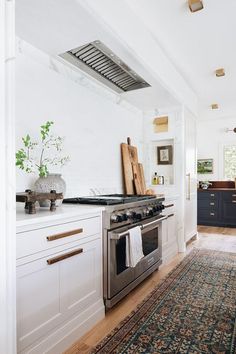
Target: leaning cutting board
129,156
137,179
127,169
142,178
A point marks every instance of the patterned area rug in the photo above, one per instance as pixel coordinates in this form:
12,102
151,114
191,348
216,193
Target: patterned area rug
193,310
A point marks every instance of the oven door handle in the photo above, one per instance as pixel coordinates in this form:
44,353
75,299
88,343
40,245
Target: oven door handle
118,236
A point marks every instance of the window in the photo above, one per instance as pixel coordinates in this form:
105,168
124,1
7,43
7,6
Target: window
230,162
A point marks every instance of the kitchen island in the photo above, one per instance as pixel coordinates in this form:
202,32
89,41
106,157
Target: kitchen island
59,276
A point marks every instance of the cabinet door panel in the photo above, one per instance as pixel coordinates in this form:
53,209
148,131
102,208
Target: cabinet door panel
172,229
228,212
191,218
164,233
47,294
80,278
38,301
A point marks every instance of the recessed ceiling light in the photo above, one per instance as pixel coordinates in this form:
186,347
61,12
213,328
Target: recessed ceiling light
195,5
214,106
220,72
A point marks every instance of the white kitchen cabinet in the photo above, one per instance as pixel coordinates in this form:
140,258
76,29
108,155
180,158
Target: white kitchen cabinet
169,233
181,135
190,213
43,238
59,289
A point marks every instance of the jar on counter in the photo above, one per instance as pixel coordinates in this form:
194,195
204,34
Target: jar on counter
155,179
161,179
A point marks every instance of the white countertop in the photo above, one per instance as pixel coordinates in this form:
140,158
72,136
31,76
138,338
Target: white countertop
62,212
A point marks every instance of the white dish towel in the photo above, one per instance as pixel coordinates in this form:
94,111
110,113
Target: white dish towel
134,247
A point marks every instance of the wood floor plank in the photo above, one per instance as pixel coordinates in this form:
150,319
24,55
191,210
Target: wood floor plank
217,238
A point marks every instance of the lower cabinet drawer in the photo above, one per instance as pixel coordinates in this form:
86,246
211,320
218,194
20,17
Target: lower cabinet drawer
34,241
207,214
210,195
208,203
229,196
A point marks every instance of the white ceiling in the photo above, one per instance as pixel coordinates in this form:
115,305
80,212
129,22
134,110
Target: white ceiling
56,26
197,43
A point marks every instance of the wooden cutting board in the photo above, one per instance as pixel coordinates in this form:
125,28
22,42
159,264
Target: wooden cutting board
137,179
142,178
133,170
129,156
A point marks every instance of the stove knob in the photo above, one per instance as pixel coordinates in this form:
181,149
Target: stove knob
120,218
124,217
130,214
138,216
116,218
150,212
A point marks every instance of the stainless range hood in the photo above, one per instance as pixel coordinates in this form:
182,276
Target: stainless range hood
102,64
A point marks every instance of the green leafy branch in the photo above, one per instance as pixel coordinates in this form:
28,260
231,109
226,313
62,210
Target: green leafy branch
24,156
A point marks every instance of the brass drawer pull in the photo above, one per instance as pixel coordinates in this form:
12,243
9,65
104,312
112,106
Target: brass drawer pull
212,203
64,234
212,195
212,214
64,256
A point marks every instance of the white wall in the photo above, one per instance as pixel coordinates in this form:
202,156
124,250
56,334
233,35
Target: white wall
7,203
211,137
93,124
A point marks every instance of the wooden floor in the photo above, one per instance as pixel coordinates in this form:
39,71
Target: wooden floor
217,238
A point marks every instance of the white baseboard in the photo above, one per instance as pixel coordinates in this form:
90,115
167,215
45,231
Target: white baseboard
191,235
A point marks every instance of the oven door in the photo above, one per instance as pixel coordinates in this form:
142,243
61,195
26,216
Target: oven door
119,276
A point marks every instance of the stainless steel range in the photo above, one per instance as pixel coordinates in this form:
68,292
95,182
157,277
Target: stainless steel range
123,212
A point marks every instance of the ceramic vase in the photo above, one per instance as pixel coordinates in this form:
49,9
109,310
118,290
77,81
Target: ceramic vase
46,184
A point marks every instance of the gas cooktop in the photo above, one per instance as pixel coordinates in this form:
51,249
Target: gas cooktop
109,199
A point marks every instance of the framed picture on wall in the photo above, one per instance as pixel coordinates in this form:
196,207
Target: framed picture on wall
205,166
165,155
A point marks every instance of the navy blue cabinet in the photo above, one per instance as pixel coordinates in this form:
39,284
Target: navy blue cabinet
217,208
228,207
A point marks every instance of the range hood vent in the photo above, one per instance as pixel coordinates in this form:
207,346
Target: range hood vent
99,62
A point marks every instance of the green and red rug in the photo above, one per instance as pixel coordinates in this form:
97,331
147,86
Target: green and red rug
193,310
